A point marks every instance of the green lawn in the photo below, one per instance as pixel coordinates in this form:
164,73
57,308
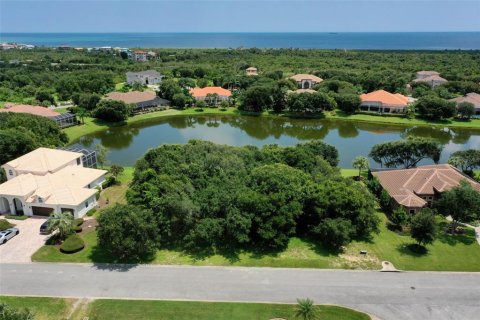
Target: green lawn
116,194
58,308
181,310
44,308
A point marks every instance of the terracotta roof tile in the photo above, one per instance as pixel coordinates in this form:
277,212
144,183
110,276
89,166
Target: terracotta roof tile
35,110
202,92
385,97
132,96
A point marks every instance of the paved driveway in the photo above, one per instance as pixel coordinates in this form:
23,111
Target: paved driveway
21,247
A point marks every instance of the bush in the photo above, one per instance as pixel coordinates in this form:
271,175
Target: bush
77,229
9,313
72,244
91,212
4,225
78,222
112,111
110,181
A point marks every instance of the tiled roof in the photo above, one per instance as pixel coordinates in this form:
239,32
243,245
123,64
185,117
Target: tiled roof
132,96
152,73
300,77
43,160
35,110
305,91
251,69
472,97
202,92
406,185
431,78
385,97
427,73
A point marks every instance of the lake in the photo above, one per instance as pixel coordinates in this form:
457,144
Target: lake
306,40
129,143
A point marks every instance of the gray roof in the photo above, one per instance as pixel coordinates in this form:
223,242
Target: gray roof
152,73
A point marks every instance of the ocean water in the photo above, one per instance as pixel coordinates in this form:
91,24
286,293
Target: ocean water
361,40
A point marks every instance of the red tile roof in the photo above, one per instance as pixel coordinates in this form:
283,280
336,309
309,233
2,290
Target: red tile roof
472,97
385,97
35,110
406,185
202,92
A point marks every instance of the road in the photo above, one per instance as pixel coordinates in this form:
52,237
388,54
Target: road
406,295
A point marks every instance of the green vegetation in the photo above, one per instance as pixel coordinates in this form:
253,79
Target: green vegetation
42,308
58,308
4,224
72,244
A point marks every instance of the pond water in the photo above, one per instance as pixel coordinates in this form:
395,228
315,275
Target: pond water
129,143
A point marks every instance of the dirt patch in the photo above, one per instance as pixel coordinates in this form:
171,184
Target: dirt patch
88,225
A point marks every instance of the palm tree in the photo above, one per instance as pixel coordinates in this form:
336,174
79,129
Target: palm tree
305,309
61,221
360,163
82,113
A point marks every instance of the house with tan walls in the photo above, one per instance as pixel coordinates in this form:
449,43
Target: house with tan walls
211,95
49,180
419,187
432,78
306,81
384,102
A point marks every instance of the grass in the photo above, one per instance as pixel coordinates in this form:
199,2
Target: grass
116,194
15,217
58,308
43,308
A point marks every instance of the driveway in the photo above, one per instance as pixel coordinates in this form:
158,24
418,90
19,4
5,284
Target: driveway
20,248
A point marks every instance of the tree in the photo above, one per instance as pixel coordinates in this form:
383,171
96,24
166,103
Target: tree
42,95
465,110
305,309
360,163
423,227
407,153
348,103
112,111
128,232
466,160
82,113
200,104
461,203
116,170
101,153
87,101
61,222
257,98
138,86
334,233
9,313
168,88
433,107
179,100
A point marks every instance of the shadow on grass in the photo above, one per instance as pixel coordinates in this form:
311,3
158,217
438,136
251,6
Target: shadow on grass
413,250
103,260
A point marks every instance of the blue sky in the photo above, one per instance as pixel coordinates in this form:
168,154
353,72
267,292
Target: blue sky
239,16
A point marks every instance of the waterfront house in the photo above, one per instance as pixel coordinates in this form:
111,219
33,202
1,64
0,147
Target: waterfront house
432,78
49,180
384,102
416,188
252,71
473,98
63,120
211,95
148,77
140,56
140,99
306,81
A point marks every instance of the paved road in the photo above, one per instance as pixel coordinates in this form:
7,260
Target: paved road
410,295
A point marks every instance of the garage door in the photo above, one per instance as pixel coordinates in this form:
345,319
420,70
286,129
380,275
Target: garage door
40,211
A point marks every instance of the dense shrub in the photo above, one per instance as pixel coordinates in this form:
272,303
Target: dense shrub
9,313
112,111
72,244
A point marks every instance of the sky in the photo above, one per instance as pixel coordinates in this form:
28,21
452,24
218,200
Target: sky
239,15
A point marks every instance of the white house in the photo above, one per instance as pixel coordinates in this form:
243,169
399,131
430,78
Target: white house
306,81
251,71
140,56
144,77
49,180
432,78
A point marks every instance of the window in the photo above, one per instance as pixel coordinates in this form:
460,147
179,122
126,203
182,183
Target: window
10,172
412,211
86,204
78,161
40,200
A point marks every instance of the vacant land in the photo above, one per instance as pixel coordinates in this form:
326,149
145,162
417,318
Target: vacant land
56,308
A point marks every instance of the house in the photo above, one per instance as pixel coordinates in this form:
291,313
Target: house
140,56
473,98
141,99
252,71
211,95
416,188
306,81
144,77
63,120
383,101
431,77
49,180
151,55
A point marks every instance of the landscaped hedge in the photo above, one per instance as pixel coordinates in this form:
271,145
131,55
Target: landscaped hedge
72,244
78,225
4,225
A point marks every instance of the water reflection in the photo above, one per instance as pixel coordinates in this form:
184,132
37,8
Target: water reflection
128,143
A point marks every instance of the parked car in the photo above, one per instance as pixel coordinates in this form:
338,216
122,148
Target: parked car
44,227
8,234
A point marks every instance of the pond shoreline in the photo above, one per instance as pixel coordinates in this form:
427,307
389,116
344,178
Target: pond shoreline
93,125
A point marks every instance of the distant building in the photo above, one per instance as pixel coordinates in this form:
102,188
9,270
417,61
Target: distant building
383,101
140,56
306,81
419,187
64,48
151,55
473,98
63,120
7,46
431,77
252,71
144,77
211,95
141,100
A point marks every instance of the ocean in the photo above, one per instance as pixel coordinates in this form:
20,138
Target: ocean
360,40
